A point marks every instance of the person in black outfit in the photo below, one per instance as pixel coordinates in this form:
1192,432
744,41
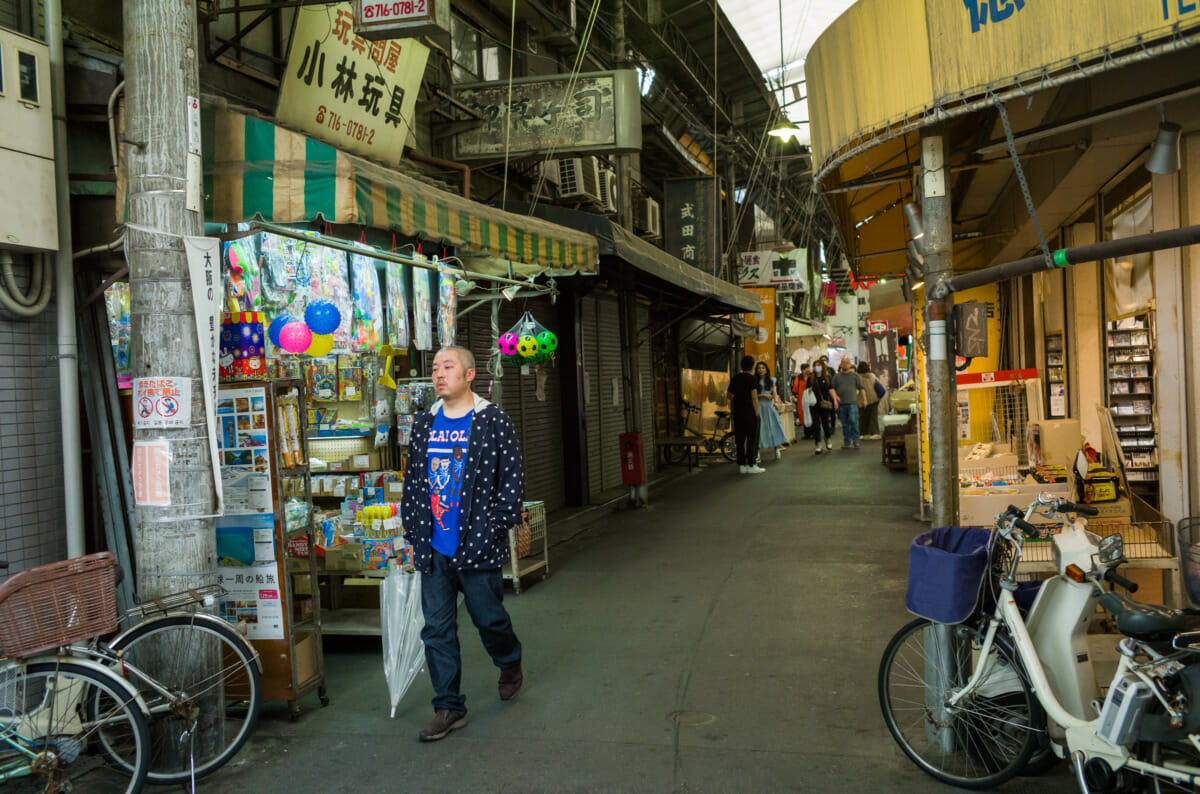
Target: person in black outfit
743,400
821,384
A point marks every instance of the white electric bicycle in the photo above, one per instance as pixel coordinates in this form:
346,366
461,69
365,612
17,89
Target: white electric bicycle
976,703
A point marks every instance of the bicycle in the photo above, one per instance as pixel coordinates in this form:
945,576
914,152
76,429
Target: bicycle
714,442
199,715
54,709
975,702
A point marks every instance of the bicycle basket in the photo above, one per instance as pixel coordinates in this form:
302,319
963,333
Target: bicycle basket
57,604
946,567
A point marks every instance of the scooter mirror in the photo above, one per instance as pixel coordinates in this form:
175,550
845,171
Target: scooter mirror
1112,549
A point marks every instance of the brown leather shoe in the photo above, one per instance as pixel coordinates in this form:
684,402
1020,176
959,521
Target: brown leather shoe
510,682
442,723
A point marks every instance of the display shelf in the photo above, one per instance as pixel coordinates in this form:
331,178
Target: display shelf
1129,372
352,622
335,436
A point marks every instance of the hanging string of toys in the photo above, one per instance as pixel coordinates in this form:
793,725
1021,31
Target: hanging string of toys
528,342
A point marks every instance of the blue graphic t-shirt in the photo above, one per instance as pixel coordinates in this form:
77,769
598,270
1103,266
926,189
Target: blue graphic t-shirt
446,462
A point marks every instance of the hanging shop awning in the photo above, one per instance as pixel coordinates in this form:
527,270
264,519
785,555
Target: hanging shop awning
618,242
257,170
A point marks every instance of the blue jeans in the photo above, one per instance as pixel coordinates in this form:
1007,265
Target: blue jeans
483,593
848,413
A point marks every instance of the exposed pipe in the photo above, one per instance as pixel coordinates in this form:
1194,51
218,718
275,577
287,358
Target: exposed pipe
465,170
14,300
68,347
112,122
1109,249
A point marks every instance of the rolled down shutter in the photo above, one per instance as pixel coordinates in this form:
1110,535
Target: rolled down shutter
605,392
538,422
646,375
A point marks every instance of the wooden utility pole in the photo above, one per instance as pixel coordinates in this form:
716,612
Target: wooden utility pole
175,545
939,265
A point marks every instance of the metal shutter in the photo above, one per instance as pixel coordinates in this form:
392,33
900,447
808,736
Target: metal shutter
606,415
646,375
538,422
590,359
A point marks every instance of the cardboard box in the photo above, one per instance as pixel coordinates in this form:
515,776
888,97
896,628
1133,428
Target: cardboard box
306,658
912,453
978,507
1053,442
344,557
1121,510
303,608
302,585
997,455
902,400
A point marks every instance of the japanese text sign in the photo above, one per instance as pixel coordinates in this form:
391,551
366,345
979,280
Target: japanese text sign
403,19
356,95
162,402
762,345
785,272
692,222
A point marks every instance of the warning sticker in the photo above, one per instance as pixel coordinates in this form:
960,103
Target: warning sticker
162,402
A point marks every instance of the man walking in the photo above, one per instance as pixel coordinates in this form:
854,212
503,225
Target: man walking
847,384
464,549
743,398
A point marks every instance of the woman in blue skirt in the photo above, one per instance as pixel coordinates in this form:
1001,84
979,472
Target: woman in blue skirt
770,429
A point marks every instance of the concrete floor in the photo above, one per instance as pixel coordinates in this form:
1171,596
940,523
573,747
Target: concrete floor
725,639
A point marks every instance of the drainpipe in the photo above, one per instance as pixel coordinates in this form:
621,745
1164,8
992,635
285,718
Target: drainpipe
465,170
68,368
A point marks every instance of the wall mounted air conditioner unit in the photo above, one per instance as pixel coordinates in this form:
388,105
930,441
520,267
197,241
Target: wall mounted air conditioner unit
648,218
548,172
608,192
579,177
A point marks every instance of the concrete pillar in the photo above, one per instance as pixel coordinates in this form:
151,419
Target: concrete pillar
1171,364
1190,262
938,247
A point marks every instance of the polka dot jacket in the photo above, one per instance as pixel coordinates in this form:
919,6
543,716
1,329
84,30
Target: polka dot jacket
493,487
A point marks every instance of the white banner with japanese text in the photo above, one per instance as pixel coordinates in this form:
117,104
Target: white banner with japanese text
785,272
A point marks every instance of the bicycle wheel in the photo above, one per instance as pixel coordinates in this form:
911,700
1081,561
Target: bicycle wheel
729,447
42,709
988,737
224,695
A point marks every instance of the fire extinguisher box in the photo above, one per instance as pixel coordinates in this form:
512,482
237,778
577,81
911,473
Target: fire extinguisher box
633,462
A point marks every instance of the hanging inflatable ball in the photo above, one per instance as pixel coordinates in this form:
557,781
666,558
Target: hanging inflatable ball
547,342
507,344
527,346
322,317
276,326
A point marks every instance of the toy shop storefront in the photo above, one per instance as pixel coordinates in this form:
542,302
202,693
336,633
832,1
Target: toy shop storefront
352,276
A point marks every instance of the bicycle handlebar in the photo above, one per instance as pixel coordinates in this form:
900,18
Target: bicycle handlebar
1072,507
1111,575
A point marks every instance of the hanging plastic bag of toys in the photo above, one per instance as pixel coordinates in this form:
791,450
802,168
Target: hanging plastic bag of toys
528,342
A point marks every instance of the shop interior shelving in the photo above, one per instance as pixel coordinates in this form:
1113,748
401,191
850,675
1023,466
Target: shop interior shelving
1129,375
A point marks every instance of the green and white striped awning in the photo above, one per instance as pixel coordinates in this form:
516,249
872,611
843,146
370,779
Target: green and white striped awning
257,170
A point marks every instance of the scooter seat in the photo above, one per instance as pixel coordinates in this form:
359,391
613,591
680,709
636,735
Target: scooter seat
1147,622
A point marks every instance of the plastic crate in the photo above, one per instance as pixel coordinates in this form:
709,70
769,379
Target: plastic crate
58,604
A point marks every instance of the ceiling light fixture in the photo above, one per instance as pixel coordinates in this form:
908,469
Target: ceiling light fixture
509,293
1164,153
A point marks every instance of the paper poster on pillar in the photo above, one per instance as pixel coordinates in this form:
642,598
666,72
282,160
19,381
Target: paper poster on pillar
762,344
203,259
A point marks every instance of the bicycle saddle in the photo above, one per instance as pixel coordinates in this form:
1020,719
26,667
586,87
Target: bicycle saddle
1147,622
721,414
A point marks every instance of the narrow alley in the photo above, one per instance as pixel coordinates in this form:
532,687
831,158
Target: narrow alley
724,640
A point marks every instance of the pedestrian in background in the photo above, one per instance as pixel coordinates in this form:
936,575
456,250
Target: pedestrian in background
799,385
460,538
743,405
847,386
820,385
770,427
868,414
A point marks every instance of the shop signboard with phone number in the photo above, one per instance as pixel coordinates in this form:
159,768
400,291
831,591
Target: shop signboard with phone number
354,94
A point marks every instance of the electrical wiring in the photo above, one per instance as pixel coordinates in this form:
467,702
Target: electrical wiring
570,92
